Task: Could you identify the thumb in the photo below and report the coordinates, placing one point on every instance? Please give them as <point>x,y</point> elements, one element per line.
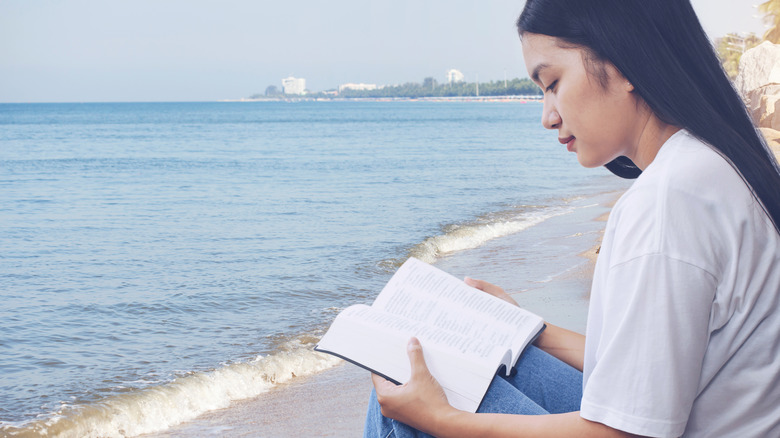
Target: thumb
<point>416,358</point>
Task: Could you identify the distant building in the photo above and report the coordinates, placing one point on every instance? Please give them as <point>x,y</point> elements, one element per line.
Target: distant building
<point>454,76</point>
<point>356,87</point>
<point>293,85</point>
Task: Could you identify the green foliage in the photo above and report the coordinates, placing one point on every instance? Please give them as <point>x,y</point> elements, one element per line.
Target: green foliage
<point>771,11</point>
<point>730,49</point>
<point>430,88</point>
<point>732,46</point>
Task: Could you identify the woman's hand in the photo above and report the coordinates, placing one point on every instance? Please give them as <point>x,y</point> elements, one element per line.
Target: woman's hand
<point>490,288</point>
<point>421,401</point>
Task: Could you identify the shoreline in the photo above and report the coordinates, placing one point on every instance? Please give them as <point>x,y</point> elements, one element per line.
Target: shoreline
<point>333,402</point>
<point>507,98</point>
<point>330,403</point>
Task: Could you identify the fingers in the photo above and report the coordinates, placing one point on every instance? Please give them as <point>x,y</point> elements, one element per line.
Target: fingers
<point>416,358</point>
<point>483,286</point>
<point>490,288</point>
<point>416,401</point>
<point>417,365</point>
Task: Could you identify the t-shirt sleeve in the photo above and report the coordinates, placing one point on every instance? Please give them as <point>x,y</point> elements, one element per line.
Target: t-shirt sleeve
<point>648,363</point>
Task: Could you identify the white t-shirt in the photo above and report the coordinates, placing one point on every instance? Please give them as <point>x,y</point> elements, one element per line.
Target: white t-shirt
<point>683,334</point>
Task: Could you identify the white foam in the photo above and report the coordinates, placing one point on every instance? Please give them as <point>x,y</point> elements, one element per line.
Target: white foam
<point>469,236</point>
<point>160,407</point>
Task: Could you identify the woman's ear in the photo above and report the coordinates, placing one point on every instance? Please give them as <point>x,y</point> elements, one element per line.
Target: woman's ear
<point>629,86</point>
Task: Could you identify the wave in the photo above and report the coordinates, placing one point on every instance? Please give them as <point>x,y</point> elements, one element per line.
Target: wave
<point>160,407</point>
<point>472,235</point>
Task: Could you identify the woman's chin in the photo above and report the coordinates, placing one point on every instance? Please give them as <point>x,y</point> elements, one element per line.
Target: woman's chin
<point>588,162</point>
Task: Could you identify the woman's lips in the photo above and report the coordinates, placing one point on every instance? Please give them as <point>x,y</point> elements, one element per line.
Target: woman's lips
<point>568,141</point>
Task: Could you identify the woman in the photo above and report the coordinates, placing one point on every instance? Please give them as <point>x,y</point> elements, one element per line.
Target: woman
<point>683,334</point>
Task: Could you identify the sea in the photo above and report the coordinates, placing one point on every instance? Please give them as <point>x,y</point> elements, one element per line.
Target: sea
<point>161,260</point>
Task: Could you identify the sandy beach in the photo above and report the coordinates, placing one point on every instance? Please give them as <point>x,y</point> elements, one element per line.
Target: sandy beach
<point>333,402</point>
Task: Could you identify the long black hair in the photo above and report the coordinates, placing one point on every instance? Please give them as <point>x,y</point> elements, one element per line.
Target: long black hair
<point>660,47</point>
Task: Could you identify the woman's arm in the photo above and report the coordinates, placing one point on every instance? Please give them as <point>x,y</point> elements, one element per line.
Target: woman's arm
<point>421,403</point>
<point>566,345</point>
<point>563,344</point>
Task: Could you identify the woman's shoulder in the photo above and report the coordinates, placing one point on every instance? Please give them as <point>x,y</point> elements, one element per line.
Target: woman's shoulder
<point>690,171</point>
<point>686,162</point>
<point>688,202</point>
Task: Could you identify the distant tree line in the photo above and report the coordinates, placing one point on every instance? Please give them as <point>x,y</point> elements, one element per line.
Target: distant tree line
<point>431,88</point>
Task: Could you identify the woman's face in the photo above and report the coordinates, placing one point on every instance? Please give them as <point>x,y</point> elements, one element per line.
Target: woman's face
<point>599,122</point>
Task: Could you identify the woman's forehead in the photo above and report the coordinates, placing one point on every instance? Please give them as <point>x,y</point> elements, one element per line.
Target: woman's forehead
<point>542,52</point>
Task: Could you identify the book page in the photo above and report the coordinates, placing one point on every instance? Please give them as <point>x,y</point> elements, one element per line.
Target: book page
<point>377,341</point>
<point>468,348</point>
<point>421,292</point>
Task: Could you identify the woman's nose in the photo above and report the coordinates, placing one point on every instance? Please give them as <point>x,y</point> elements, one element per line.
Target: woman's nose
<point>550,117</point>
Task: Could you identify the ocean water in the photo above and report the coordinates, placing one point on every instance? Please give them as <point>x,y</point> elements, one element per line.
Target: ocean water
<point>160,260</point>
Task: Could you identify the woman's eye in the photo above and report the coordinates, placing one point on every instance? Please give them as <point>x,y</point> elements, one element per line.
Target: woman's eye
<point>552,86</point>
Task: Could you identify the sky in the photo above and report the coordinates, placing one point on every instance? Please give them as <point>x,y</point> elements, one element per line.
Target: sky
<point>205,50</point>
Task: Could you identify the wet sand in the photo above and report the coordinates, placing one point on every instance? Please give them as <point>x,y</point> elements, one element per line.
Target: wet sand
<point>331,403</point>
<point>561,251</point>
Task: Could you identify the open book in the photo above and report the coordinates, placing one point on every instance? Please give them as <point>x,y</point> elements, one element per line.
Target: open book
<point>467,335</point>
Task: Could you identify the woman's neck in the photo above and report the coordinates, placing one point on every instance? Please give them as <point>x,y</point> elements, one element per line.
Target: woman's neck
<point>654,134</point>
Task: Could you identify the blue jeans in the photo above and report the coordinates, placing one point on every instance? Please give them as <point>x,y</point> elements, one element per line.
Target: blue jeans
<point>541,385</point>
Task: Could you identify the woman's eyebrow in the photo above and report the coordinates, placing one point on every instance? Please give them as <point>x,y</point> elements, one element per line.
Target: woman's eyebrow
<point>537,70</point>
